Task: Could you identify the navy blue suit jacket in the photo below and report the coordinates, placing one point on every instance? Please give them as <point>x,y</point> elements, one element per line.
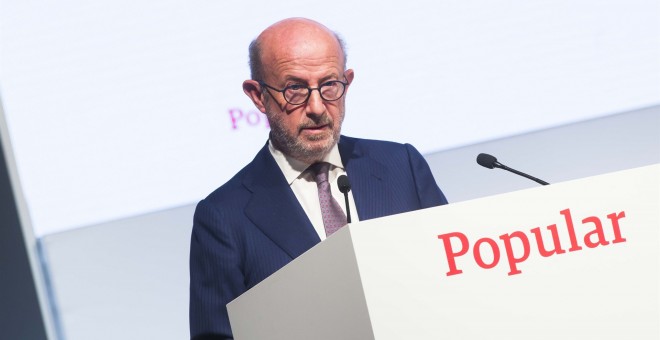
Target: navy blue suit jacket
<point>253,225</point>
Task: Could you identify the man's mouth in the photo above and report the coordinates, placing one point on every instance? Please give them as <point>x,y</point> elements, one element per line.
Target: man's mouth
<point>316,127</point>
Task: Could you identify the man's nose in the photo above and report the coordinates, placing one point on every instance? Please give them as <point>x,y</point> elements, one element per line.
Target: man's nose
<point>315,104</point>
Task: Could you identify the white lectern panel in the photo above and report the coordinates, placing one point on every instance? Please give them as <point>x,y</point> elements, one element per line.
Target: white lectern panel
<point>476,269</point>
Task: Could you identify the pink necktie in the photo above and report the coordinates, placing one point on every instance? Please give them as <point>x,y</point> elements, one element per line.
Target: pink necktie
<point>333,217</point>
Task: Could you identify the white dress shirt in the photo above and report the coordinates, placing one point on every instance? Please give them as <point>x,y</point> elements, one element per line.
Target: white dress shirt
<point>304,186</point>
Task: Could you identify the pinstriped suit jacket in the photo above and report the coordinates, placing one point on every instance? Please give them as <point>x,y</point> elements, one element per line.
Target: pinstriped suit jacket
<point>253,225</point>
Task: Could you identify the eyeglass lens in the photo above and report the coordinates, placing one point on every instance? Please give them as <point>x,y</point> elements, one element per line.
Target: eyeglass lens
<point>329,91</point>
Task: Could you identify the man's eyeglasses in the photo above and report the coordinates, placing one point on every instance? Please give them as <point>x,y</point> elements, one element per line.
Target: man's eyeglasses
<point>299,94</point>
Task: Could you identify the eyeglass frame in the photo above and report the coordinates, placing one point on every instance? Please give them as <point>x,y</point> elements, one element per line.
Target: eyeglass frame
<point>309,90</point>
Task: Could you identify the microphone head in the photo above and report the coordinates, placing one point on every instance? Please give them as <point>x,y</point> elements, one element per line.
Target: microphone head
<point>343,184</point>
<point>486,160</point>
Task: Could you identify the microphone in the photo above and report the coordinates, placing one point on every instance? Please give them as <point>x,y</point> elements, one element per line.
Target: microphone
<point>345,186</point>
<point>489,161</point>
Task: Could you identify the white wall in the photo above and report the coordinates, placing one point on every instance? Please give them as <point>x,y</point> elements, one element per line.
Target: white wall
<point>110,97</point>
<point>593,147</point>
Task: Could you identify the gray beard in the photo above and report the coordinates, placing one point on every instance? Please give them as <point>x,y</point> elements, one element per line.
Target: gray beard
<point>296,148</point>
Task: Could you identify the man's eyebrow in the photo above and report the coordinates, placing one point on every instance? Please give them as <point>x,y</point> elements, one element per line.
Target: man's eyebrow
<point>332,76</point>
<point>295,79</point>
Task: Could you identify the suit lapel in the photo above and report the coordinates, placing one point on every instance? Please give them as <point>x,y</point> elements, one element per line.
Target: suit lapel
<point>368,179</point>
<point>274,209</point>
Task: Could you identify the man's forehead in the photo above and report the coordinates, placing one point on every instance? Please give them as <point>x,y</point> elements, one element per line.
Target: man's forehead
<point>304,53</point>
<point>302,70</point>
<point>298,46</point>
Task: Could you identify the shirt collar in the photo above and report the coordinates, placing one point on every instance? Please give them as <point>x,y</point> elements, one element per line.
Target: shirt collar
<point>293,168</point>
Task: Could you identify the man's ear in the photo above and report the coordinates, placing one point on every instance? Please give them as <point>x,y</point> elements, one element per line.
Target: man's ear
<point>349,74</point>
<point>253,90</point>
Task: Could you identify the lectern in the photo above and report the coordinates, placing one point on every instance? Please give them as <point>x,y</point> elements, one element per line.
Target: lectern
<point>573,260</point>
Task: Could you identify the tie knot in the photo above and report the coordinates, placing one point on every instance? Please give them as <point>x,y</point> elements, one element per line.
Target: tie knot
<point>320,171</point>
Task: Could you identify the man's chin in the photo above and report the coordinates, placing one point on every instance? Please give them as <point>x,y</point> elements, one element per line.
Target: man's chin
<point>305,148</point>
<point>316,150</point>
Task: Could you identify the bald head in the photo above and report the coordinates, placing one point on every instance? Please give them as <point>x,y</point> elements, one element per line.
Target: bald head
<point>300,57</point>
<point>292,36</point>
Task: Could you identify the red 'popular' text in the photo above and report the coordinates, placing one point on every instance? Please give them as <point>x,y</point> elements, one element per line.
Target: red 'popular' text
<point>592,231</point>
<point>247,119</point>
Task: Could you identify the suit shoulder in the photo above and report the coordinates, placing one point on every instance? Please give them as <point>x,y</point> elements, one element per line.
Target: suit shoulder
<point>371,143</point>
<point>377,147</point>
<point>233,189</point>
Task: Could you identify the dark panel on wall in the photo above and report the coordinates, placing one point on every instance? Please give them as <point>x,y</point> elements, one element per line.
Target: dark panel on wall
<point>20,315</point>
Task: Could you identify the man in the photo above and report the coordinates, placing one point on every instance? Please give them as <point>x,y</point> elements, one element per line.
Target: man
<point>273,210</point>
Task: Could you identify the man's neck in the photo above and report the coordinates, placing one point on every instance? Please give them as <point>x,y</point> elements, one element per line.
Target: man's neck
<point>292,167</point>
